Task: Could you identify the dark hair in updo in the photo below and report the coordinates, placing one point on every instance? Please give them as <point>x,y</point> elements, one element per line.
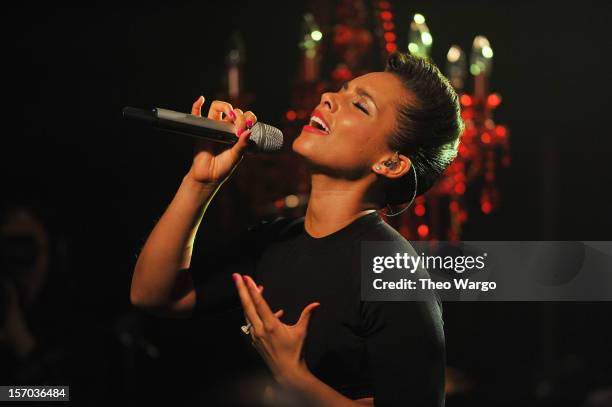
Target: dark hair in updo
<point>428,129</point>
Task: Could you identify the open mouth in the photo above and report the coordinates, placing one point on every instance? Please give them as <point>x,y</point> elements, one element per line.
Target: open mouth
<point>317,125</point>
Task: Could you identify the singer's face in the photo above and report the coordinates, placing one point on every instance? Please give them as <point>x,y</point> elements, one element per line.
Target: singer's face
<point>359,125</point>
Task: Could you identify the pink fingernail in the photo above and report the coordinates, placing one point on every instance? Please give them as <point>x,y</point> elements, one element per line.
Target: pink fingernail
<point>240,132</point>
<point>232,114</point>
<point>236,277</point>
<point>250,281</point>
<point>249,123</point>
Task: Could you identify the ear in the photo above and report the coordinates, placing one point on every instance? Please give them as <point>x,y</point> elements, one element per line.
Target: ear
<point>400,167</point>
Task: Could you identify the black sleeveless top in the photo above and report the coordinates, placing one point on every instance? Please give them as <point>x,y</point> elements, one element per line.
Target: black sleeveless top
<point>392,351</point>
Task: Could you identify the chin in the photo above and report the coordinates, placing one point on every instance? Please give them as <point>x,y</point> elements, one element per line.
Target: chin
<point>308,149</point>
<point>304,145</point>
<point>317,157</point>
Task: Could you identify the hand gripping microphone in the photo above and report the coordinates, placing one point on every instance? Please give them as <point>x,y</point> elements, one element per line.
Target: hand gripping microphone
<point>264,138</point>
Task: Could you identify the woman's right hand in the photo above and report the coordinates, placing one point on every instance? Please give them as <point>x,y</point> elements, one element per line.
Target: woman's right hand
<point>213,163</point>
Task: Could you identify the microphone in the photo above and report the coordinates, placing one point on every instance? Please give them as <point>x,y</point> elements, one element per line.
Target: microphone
<point>264,138</point>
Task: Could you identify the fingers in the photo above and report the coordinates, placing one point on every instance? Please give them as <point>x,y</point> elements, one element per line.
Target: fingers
<point>305,316</point>
<point>261,305</point>
<point>247,303</point>
<point>196,108</point>
<point>250,119</point>
<point>242,144</point>
<point>243,131</point>
<point>224,111</point>
<point>260,288</point>
<point>239,121</point>
<point>218,109</point>
<point>277,314</point>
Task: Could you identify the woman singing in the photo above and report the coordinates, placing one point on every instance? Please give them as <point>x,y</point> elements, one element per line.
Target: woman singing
<point>382,139</point>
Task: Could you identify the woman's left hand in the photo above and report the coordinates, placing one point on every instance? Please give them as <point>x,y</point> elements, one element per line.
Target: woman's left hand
<point>279,344</point>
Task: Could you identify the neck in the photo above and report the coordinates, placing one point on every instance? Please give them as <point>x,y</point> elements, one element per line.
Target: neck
<point>334,203</point>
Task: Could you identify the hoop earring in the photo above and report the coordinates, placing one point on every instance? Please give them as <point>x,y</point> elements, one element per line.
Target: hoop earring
<point>413,196</point>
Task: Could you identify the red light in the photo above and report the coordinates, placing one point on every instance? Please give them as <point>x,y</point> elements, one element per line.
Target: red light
<point>384,5</point>
<point>390,37</point>
<point>470,130</point>
<point>386,15</point>
<point>467,114</point>
<point>423,230</point>
<point>454,206</point>
<point>463,150</point>
<point>419,210</point>
<point>486,207</point>
<point>500,131</point>
<point>388,26</point>
<point>460,188</point>
<point>391,47</point>
<point>485,137</point>
<point>279,203</point>
<point>493,100</point>
<point>462,217</point>
<point>342,74</point>
<point>466,100</point>
<point>291,115</point>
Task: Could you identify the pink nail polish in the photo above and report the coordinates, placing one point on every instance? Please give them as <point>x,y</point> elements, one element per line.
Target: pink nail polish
<point>236,277</point>
<point>232,114</point>
<point>240,132</point>
<point>249,123</point>
<point>250,281</point>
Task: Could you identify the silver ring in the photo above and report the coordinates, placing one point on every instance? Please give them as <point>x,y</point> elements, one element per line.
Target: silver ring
<point>246,328</point>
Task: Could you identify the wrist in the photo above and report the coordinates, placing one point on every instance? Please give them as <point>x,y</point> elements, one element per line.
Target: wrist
<point>193,185</point>
<point>295,377</point>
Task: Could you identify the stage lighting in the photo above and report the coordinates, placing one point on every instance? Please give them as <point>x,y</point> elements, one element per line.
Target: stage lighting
<point>481,60</point>
<point>456,67</point>
<point>419,38</point>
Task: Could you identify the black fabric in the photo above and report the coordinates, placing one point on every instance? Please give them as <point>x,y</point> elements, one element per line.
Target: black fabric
<point>393,351</point>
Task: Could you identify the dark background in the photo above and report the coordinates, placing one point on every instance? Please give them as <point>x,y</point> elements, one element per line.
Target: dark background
<point>99,188</point>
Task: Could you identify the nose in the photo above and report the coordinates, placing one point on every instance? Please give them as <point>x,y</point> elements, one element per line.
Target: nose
<point>329,99</point>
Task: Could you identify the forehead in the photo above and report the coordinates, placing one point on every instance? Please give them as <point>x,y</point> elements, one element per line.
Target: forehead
<point>386,88</point>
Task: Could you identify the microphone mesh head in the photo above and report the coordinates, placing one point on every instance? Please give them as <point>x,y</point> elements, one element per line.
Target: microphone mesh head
<point>266,137</point>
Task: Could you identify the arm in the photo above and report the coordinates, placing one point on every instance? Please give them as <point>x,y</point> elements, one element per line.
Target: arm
<point>305,382</point>
<point>161,277</point>
<point>161,281</point>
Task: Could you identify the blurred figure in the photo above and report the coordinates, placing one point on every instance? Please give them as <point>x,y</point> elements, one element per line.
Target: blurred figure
<point>599,398</point>
<point>24,260</point>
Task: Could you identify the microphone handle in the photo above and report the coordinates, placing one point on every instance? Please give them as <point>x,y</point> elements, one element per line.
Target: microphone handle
<point>186,124</point>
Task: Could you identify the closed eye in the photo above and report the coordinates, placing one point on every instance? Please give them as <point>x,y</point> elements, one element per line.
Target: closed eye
<point>360,107</point>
